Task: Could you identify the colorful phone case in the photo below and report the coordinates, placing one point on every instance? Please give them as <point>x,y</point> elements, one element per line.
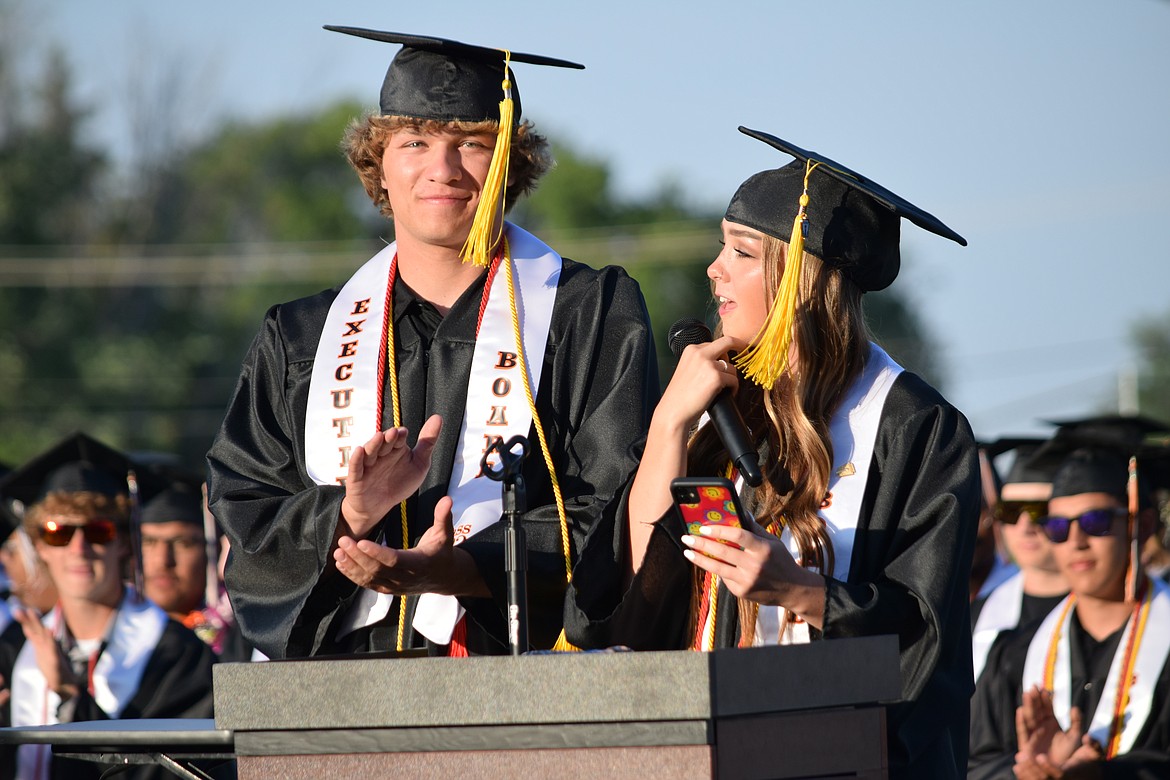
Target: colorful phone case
<point>716,505</point>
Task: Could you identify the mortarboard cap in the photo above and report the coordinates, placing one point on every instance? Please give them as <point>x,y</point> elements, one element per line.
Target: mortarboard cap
<point>178,502</point>
<point>853,222</point>
<point>1091,454</point>
<point>78,463</point>
<point>1121,432</point>
<point>816,204</point>
<point>445,80</point>
<point>439,79</point>
<point>1022,469</point>
<point>1091,470</point>
<point>1154,462</point>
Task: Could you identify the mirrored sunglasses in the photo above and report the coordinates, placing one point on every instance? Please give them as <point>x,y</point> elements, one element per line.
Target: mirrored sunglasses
<point>99,531</point>
<point>1095,522</point>
<point>1009,512</point>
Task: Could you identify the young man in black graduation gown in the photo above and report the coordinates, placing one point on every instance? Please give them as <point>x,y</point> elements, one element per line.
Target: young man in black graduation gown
<point>1054,700</point>
<point>290,481</point>
<point>102,652</point>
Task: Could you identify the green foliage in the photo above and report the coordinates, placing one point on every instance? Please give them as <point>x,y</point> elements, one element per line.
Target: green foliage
<point>1151,336</point>
<point>898,329</point>
<point>47,175</point>
<point>283,180</point>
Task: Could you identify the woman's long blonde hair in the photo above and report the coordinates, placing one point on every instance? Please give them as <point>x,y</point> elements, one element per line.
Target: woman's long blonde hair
<point>831,343</point>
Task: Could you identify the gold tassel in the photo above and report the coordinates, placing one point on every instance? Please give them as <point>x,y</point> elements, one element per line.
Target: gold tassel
<point>766,358</point>
<point>485,231</point>
<point>1133,575</point>
<point>562,644</point>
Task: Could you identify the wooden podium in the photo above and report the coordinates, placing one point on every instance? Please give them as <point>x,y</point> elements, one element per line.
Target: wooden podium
<point>776,712</point>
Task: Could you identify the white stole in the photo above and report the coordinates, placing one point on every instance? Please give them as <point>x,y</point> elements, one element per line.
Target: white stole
<point>1151,657</point>
<point>853,432</point>
<point>117,675</point>
<point>1000,612</point>
<point>497,407</point>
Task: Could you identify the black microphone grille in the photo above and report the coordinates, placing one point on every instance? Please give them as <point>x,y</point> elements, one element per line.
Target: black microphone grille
<point>685,332</point>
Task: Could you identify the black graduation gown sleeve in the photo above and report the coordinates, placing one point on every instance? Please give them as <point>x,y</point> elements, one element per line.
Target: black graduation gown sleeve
<point>280,524</point>
<point>654,611</point>
<point>597,390</point>
<point>993,714</point>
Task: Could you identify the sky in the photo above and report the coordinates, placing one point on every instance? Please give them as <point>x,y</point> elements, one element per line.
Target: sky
<point>1038,130</point>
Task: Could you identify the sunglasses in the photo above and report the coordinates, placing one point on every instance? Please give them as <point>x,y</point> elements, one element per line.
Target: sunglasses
<point>1009,511</point>
<point>57,534</point>
<point>1095,522</point>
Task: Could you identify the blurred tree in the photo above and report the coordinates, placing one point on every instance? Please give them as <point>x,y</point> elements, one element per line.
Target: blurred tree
<point>896,326</point>
<point>47,175</point>
<point>1151,337</point>
<point>280,180</point>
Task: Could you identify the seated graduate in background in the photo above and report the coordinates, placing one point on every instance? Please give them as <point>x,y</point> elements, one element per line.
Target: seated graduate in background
<point>180,564</point>
<point>1155,458</point>
<point>865,521</point>
<point>1037,585</point>
<point>347,470</point>
<point>990,565</point>
<point>103,652</point>
<point>1085,693</point>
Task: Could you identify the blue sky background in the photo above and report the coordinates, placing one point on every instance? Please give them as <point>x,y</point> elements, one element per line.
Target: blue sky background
<point>1038,130</point>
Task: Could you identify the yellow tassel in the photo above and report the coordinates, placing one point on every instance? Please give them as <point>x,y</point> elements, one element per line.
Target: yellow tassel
<point>766,358</point>
<point>485,229</point>
<point>562,644</point>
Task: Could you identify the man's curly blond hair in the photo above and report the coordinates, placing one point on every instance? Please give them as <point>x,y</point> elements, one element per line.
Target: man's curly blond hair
<point>365,141</point>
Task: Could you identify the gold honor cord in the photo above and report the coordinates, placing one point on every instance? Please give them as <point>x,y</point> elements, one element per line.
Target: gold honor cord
<point>562,642</point>
<point>392,367</point>
<point>486,229</point>
<point>1137,629</point>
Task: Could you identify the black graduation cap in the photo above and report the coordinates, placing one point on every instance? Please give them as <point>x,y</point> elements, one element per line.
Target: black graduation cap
<point>1022,469</point>
<point>445,80</point>
<point>853,222</point>
<point>179,501</point>
<point>1121,432</point>
<point>78,463</point>
<point>1091,455</point>
<point>1154,461</point>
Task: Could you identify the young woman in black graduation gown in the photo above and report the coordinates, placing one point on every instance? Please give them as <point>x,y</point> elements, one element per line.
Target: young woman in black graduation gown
<point>870,477</point>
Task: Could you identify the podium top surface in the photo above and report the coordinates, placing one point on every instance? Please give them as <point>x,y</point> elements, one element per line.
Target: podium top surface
<point>130,733</point>
<point>555,688</point>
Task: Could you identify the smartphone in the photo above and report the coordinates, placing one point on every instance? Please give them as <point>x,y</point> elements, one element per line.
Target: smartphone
<point>706,501</point>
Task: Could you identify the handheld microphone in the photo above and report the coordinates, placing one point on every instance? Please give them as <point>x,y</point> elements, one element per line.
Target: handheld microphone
<point>723,412</point>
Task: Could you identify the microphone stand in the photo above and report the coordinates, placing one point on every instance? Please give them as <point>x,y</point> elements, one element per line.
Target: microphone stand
<point>515,502</point>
